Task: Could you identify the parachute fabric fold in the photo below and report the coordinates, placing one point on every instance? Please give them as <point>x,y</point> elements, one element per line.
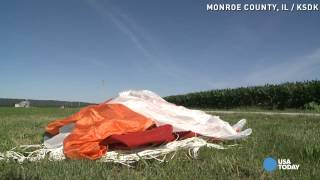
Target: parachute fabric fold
<point>95,123</point>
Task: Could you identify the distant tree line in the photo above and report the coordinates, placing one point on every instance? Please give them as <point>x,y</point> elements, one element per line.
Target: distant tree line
<point>42,103</point>
<point>286,95</point>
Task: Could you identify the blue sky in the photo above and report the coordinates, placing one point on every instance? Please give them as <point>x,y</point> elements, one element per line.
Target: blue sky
<point>90,50</point>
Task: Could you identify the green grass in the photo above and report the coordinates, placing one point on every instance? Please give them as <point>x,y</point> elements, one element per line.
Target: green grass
<point>279,136</point>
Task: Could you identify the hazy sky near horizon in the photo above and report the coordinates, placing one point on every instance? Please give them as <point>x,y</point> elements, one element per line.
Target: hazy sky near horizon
<point>89,50</point>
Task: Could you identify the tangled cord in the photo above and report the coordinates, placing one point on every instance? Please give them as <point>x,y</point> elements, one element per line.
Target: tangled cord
<point>122,157</point>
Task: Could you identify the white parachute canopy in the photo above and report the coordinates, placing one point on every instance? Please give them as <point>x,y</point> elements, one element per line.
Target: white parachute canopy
<point>162,112</point>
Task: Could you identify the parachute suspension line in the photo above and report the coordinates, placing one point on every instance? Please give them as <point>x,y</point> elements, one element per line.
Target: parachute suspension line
<point>122,157</point>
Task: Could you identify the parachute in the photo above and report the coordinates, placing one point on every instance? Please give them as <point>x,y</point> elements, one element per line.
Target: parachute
<point>134,119</point>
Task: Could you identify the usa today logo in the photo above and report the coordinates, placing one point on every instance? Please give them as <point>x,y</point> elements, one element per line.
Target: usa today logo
<point>270,164</point>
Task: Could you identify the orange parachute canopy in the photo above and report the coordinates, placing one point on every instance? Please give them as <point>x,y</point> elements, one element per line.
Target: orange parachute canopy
<point>95,123</point>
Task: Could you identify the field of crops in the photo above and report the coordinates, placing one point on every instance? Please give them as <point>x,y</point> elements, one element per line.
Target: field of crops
<point>299,95</point>
<point>279,136</point>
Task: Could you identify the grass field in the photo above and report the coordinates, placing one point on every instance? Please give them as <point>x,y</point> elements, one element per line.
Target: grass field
<point>279,136</point>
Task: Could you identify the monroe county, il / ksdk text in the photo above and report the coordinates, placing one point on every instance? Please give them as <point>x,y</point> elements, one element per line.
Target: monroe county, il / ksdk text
<point>262,7</point>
